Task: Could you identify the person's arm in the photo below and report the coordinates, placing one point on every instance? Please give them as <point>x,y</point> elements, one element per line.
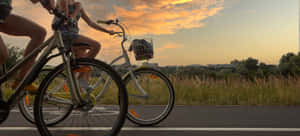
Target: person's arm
<point>76,11</point>
<point>92,24</point>
<point>47,4</point>
<point>62,5</point>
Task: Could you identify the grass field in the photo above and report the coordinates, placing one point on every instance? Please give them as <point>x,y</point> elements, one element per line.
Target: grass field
<point>273,91</point>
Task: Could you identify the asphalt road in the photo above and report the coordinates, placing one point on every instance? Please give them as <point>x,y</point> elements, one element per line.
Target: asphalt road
<point>197,121</point>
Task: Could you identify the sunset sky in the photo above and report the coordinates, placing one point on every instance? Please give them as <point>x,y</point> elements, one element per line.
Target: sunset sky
<point>189,31</point>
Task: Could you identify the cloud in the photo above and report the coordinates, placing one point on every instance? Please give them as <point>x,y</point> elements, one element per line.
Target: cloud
<point>165,16</point>
<point>140,16</point>
<point>110,46</point>
<point>170,46</point>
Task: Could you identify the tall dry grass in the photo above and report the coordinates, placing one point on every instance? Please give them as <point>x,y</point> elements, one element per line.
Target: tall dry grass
<point>233,91</point>
<point>237,91</point>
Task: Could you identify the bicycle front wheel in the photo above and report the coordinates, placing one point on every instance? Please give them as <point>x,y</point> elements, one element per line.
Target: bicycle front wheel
<point>153,108</point>
<point>103,117</point>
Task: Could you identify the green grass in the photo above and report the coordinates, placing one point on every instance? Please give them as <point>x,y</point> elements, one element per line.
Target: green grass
<point>235,91</point>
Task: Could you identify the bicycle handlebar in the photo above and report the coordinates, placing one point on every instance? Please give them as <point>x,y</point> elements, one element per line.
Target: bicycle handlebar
<point>116,23</point>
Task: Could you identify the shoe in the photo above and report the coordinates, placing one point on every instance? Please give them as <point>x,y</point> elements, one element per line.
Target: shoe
<point>32,88</point>
<point>91,98</point>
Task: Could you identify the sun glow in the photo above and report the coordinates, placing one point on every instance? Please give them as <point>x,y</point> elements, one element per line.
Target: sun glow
<point>181,1</point>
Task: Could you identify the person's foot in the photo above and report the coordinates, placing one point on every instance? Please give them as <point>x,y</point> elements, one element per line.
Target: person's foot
<point>84,84</point>
<point>32,88</point>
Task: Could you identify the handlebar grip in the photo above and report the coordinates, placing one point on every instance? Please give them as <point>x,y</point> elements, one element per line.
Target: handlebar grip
<point>108,22</point>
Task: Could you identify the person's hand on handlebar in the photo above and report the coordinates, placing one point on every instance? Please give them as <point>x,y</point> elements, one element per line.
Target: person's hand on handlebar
<point>47,4</point>
<point>108,22</point>
<point>112,32</point>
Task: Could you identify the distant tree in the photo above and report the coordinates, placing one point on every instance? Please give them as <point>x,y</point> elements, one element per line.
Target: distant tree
<point>265,70</point>
<point>235,62</point>
<point>247,68</point>
<point>290,64</point>
<point>251,64</point>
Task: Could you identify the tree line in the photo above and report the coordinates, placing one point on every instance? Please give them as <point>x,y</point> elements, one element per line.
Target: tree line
<point>250,68</point>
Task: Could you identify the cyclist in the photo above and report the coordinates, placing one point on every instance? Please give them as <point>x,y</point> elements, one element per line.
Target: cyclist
<point>15,25</point>
<point>74,10</point>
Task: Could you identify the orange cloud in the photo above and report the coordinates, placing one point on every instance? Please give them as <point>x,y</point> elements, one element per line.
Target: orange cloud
<point>141,17</point>
<point>167,16</point>
<point>181,1</point>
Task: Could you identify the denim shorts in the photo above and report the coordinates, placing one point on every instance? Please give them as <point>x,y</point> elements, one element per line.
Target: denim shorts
<point>69,36</point>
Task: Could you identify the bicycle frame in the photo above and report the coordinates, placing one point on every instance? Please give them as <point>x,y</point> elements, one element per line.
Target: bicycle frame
<point>126,64</point>
<point>53,42</point>
<point>108,80</point>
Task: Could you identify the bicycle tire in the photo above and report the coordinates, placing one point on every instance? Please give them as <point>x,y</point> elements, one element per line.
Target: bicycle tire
<point>118,123</point>
<point>151,122</point>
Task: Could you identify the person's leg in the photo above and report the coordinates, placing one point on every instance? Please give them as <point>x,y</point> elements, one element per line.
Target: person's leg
<point>19,26</point>
<point>3,58</point>
<point>90,51</point>
<point>81,51</point>
<point>3,52</point>
<point>93,48</point>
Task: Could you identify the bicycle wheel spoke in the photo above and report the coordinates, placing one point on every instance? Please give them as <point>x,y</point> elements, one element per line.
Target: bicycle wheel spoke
<point>56,100</point>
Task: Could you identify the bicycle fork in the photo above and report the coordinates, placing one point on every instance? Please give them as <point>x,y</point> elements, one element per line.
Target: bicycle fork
<point>144,93</point>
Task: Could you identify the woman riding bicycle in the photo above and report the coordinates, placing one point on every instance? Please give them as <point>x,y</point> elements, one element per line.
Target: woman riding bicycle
<point>74,10</point>
<point>15,25</point>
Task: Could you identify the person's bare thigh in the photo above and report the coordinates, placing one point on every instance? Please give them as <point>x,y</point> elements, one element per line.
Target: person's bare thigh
<point>20,26</point>
<point>3,52</point>
<point>87,40</point>
<point>93,47</point>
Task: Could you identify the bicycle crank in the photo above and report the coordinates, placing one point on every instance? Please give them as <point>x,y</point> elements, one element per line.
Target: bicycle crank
<point>90,102</point>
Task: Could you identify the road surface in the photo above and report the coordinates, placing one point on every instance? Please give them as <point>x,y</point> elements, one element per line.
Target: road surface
<point>197,121</point>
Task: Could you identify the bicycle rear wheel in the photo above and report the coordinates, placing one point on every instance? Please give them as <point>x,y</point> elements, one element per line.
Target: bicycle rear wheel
<point>27,102</point>
<point>151,110</point>
<point>104,117</point>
